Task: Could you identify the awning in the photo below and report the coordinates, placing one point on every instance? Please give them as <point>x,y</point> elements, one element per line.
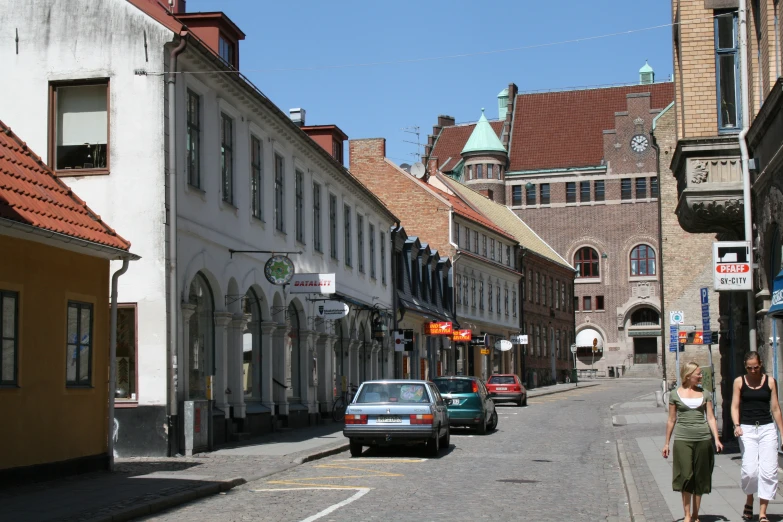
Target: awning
<point>584,339</point>
<point>776,307</point>
<point>419,308</point>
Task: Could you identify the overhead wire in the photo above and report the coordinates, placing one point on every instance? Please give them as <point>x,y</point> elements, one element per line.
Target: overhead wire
<point>445,57</point>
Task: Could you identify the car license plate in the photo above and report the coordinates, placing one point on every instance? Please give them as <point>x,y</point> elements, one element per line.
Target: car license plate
<point>455,401</point>
<point>501,388</point>
<point>389,418</point>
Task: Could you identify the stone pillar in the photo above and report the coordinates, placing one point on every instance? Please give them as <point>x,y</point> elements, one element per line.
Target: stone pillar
<point>183,354</point>
<point>354,361</point>
<point>375,367</point>
<point>306,353</point>
<point>255,331</point>
<point>267,364</point>
<point>280,363</point>
<point>324,344</point>
<point>235,364</point>
<point>222,321</point>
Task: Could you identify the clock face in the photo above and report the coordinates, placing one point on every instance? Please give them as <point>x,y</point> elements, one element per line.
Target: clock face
<point>639,143</point>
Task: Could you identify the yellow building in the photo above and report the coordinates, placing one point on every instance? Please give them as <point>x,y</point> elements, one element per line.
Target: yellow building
<point>55,333</point>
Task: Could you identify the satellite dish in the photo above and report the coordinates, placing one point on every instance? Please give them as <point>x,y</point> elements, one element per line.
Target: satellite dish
<point>418,170</point>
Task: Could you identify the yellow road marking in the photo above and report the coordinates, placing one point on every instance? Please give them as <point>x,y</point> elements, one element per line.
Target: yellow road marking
<point>367,472</point>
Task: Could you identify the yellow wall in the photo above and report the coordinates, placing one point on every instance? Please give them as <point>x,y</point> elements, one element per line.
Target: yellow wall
<point>41,420</point>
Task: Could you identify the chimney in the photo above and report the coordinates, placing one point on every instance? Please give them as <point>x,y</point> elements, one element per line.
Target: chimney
<point>297,116</point>
<point>446,121</point>
<point>177,6</point>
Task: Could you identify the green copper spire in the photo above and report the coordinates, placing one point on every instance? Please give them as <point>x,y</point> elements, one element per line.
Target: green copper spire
<point>646,74</point>
<point>483,138</point>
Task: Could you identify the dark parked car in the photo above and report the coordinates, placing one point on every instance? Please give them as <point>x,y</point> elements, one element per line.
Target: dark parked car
<point>470,403</point>
<point>507,388</point>
<point>395,412</point>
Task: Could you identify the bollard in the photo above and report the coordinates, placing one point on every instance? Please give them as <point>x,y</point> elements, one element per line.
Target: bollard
<point>658,398</point>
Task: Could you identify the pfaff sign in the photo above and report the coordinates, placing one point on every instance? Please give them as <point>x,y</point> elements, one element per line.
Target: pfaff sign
<point>731,261</point>
<point>462,335</point>
<point>438,329</point>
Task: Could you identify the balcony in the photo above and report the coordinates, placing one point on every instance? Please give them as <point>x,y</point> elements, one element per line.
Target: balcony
<point>709,184</point>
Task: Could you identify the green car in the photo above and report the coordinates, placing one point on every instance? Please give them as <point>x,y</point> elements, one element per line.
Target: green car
<point>469,402</point>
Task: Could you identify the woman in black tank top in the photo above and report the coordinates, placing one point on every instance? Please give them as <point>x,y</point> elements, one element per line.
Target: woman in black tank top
<point>754,412</point>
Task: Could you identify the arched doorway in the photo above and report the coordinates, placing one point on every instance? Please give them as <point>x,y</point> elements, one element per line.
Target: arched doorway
<point>293,351</point>
<point>201,342</point>
<point>251,346</point>
<point>645,347</point>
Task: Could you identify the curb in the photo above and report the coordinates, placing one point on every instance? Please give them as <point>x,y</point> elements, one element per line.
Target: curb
<point>634,506</point>
<point>562,390</point>
<point>183,497</point>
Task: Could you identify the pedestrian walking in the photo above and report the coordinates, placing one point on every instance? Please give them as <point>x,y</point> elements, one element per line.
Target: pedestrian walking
<point>754,405</point>
<point>693,422</point>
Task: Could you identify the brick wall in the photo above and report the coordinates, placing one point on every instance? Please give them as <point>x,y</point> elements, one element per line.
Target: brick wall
<point>686,260</point>
<point>421,213</point>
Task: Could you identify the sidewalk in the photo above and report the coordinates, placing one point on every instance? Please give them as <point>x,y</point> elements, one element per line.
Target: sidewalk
<point>641,427</point>
<point>144,486</point>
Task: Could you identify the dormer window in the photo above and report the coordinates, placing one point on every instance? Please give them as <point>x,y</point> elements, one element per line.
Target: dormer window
<point>226,50</point>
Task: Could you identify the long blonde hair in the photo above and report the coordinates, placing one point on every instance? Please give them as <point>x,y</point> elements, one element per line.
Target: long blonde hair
<point>687,369</point>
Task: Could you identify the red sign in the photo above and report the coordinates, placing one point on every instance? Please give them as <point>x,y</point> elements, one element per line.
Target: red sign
<point>462,335</point>
<point>732,268</point>
<point>437,329</point>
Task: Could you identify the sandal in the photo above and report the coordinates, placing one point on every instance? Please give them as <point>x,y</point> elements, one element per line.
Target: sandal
<point>763,519</point>
<point>747,513</point>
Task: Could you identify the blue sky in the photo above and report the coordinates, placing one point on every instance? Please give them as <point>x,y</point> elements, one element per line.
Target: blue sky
<point>381,100</point>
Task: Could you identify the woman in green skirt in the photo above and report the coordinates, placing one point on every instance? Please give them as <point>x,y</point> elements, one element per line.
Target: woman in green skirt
<point>691,412</point>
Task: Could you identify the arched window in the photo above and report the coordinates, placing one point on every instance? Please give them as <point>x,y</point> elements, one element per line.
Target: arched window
<point>201,339</point>
<point>642,261</point>
<point>586,261</point>
<point>645,317</point>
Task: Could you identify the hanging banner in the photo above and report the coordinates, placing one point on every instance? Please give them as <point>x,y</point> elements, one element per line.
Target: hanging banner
<point>323,284</point>
<point>461,335</point>
<point>437,329</point>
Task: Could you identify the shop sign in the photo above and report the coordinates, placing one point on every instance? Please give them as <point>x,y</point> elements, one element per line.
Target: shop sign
<point>312,284</point>
<point>484,351</point>
<point>503,345</point>
<point>461,335</point>
<point>731,260</point>
<point>519,339</point>
<point>437,329</point>
<point>279,270</point>
<point>332,309</point>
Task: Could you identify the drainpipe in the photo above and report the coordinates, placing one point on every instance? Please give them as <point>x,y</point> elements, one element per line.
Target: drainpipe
<point>172,236</point>
<point>113,356</point>
<point>664,345</point>
<point>746,196</point>
<point>454,289</point>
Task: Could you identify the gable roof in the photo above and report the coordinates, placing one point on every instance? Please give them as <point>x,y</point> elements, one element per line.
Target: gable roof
<point>483,138</point>
<point>565,129</point>
<point>461,208</point>
<point>508,220</point>
<point>32,195</point>
<point>451,141</point>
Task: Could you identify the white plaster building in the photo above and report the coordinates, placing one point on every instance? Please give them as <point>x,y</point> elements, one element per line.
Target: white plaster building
<point>91,74</point>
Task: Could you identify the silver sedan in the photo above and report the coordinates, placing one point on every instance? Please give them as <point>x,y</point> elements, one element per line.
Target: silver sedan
<point>397,412</point>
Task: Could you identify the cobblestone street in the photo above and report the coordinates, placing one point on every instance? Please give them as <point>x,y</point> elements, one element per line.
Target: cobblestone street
<point>553,460</point>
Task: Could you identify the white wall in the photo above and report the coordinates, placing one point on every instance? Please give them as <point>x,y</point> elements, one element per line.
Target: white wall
<point>82,39</point>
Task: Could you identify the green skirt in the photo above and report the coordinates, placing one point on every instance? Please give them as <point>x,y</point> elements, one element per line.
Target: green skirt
<point>692,466</point>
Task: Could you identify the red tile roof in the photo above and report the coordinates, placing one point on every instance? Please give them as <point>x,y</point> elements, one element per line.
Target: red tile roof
<point>452,140</point>
<point>158,10</point>
<point>565,129</point>
<point>466,211</point>
<point>31,194</point>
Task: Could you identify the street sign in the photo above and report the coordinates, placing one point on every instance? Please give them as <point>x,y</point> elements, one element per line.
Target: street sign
<point>676,317</point>
<point>705,296</point>
<point>479,340</point>
<point>705,316</point>
<point>731,261</point>
<point>519,339</point>
<point>673,342</point>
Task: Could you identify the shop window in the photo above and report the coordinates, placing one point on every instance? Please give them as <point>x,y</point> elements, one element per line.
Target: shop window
<point>80,134</point>
<point>127,359</point>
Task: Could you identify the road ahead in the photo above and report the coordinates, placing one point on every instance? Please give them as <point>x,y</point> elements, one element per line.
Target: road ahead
<point>553,460</point>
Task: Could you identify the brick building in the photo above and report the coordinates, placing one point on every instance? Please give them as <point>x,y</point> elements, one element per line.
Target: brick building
<point>579,169</point>
<point>435,220</point>
<point>712,108</point>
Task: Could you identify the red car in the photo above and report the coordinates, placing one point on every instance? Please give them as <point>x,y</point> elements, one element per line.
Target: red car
<point>507,387</point>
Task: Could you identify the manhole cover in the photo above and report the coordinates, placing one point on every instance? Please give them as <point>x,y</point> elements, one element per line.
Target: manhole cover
<point>518,481</point>
<point>541,460</point>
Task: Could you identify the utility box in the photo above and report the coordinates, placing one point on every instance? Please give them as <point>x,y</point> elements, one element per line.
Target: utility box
<point>196,429</point>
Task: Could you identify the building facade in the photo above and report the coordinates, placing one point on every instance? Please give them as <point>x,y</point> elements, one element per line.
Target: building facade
<point>579,170</point>
<point>55,265</point>
<point>209,178</point>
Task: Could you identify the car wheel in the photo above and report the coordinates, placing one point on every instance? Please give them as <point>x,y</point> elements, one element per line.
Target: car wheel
<point>444,443</point>
<point>493,422</point>
<point>356,449</point>
<point>482,427</point>
<point>524,401</point>
<point>433,446</point>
